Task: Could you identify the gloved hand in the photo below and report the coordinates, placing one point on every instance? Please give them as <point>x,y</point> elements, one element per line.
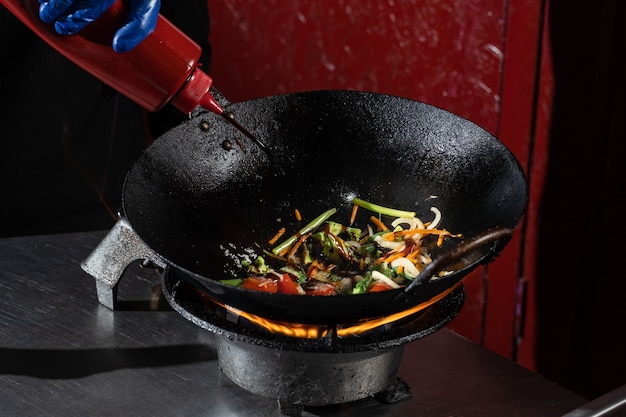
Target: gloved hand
<point>70,16</point>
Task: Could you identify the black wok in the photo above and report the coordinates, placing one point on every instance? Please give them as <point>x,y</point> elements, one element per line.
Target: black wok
<point>200,193</point>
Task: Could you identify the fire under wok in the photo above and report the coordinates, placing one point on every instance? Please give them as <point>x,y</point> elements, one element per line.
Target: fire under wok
<point>203,192</point>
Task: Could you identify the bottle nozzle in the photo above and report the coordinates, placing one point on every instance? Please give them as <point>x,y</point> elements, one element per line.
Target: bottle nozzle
<point>196,92</point>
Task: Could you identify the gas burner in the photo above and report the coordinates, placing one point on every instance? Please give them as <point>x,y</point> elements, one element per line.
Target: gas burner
<point>299,371</point>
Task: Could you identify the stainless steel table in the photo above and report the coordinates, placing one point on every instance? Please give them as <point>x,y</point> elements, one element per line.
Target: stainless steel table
<point>63,354</point>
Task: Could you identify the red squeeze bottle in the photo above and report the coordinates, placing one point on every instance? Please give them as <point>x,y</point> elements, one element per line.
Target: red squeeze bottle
<point>161,69</point>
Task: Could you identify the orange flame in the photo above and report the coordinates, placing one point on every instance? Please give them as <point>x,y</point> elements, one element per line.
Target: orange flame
<point>312,331</point>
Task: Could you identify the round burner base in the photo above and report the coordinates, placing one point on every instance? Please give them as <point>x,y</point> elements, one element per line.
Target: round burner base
<point>308,378</point>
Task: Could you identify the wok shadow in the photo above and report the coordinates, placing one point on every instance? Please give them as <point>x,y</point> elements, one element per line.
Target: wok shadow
<point>79,363</point>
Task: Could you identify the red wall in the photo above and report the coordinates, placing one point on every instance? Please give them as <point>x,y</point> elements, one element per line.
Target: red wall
<point>433,51</point>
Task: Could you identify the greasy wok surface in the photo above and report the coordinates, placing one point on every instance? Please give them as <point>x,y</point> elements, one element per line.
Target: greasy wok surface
<point>198,194</point>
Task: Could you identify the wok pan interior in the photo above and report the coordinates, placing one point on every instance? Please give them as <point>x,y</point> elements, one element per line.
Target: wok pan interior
<point>198,196</point>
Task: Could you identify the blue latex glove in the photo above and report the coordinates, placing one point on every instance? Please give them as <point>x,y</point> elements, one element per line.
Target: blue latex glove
<point>70,16</point>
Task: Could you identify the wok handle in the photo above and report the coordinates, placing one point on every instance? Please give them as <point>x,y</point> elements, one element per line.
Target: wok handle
<point>475,243</point>
<point>108,261</point>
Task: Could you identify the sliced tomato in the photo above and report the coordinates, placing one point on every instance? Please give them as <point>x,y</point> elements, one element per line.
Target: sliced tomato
<point>261,284</point>
<point>379,286</point>
<point>286,285</point>
<point>320,288</point>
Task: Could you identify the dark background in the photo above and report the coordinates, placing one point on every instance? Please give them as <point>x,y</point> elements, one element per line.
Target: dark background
<point>581,283</point>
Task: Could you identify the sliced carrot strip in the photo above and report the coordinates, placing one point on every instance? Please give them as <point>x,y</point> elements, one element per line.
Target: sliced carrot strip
<point>390,258</point>
<point>411,256</point>
<point>298,216</point>
<point>284,251</point>
<point>298,244</point>
<point>355,208</point>
<point>378,223</point>
<point>277,236</point>
<point>423,232</point>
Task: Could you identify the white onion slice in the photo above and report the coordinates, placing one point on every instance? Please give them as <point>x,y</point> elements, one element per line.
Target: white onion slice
<point>389,244</point>
<point>413,223</point>
<point>437,219</point>
<point>410,270</point>
<point>378,276</point>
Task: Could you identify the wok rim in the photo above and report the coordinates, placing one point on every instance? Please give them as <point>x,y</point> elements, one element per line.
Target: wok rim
<point>445,311</point>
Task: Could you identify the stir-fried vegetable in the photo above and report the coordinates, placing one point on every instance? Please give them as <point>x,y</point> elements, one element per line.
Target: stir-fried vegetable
<point>311,226</point>
<point>382,210</point>
<point>327,258</point>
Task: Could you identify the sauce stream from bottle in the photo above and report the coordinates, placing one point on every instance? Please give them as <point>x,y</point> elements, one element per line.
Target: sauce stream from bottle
<point>230,118</point>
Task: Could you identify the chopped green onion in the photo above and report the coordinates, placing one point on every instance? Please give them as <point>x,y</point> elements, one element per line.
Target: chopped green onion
<point>362,286</point>
<point>383,210</point>
<point>234,282</point>
<point>306,229</point>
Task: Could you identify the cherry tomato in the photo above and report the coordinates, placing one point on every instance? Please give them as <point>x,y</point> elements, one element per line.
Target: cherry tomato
<point>379,286</point>
<point>320,288</point>
<point>288,286</point>
<point>261,284</point>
